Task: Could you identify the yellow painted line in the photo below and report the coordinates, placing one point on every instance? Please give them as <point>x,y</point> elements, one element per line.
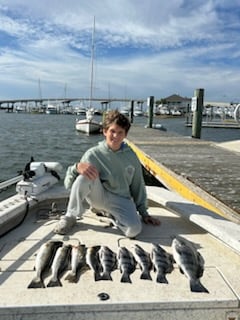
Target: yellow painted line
<point>171,182</point>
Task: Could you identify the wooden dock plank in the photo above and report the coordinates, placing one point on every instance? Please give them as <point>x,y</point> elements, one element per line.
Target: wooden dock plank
<point>206,170</point>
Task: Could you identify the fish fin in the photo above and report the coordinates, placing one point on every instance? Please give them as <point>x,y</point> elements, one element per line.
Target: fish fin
<point>54,283</point>
<point>196,286</point>
<point>171,259</point>
<point>71,277</point>
<point>106,276</point>
<point>161,278</point>
<point>145,275</point>
<point>180,269</point>
<point>97,276</point>
<point>126,278</point>
<point>200,266</point>
<point>169,268</point>
<point>36,283</point>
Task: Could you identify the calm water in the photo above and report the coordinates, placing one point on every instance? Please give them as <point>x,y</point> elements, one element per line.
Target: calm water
<point>53,138</point>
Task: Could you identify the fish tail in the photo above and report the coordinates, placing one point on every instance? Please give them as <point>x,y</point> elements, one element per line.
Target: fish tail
<point>196,286</point>
<point>126,278</point>
<point>54,283</point>
<point>161,278</point>
<point>146,275</point>
<point>37,282</point>
<point>71,277</point>
<point>97,276</point>
<point>106,276</point>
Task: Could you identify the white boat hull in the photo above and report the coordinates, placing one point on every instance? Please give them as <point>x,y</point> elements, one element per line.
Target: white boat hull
<point>138,113</point>
<point>51,109</point>
<point>88,126</point>
<point>174,300</point>
<point>51,112</point>
<point>124,111</point>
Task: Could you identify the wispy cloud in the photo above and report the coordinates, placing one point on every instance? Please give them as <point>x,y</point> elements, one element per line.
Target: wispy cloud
<point>142,48</point>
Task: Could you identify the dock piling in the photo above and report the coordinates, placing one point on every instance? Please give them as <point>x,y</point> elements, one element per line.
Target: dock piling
<point>197,108</point>
<point>131,111</point>
<point>150,104</point>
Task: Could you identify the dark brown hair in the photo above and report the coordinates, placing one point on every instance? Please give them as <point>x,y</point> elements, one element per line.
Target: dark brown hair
<point>114,116</point>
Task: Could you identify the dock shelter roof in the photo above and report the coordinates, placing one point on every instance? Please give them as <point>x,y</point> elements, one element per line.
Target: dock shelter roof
<point>175,98</point>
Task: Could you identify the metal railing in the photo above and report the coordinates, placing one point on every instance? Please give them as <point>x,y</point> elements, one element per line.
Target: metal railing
<point>7,183</point>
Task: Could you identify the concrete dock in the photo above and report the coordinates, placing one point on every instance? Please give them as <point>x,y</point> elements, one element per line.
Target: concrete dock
<point>200,171</point>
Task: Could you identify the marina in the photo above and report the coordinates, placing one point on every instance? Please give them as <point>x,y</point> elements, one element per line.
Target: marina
<point>83,234</point>
<point>218,124</point>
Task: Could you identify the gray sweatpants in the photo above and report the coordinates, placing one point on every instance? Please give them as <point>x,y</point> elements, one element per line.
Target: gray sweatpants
<point>122,209</point>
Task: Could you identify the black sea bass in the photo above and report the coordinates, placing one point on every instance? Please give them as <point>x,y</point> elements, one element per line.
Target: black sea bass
<point>190,263</point>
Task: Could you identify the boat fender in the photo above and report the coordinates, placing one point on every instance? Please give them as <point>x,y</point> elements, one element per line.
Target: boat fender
<point>39,168</point>
<point>56,166</point>
<point>158,126</point>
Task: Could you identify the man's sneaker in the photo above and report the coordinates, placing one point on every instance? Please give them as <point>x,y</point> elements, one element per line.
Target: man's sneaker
<point>64,225</point>
<point>100,213</point>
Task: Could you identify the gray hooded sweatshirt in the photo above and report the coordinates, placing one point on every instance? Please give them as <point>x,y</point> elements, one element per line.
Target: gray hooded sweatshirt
<point>119,171</point>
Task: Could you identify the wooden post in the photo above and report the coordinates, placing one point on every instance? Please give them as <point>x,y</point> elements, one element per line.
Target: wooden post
<point>131,111</point>
<point>150,104</point>
<point>197,108</point>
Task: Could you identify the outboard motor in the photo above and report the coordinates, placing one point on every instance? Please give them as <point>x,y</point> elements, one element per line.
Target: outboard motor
<point>39,177</point>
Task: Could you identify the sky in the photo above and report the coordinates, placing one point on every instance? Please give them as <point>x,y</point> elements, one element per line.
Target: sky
<point>141,48</point>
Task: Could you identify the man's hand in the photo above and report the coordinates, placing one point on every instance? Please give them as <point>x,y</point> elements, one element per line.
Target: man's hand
<point>151,220</point>
<point>88,170</point>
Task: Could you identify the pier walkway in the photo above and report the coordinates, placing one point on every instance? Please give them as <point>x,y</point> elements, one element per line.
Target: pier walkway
<point>200,171</point>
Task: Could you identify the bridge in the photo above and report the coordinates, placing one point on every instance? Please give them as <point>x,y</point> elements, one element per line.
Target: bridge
<point>11,103</point>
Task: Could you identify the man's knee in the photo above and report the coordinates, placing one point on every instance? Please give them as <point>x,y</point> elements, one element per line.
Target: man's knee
<point>134,230</point>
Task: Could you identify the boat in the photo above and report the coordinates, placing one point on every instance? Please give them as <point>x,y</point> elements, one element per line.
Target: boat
<point>125,111</point>
<point>158,126</point>
<point>236,113</point>
<point>80,111</point>
<point>28,218</point>
<point>51,109</point>
<point>219,117</point>
<point>175,112</point>
<point>89,125</point>
<point>98,112</point>
<point>36,110</point>
<point>20,109</point>
<point>137,112</point>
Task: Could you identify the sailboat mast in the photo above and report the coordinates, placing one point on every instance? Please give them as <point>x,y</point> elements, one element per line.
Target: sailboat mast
<point>92,62</point>
<point>39,89</point>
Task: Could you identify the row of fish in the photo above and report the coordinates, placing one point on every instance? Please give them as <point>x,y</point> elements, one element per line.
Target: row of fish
<point>60,257</point>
